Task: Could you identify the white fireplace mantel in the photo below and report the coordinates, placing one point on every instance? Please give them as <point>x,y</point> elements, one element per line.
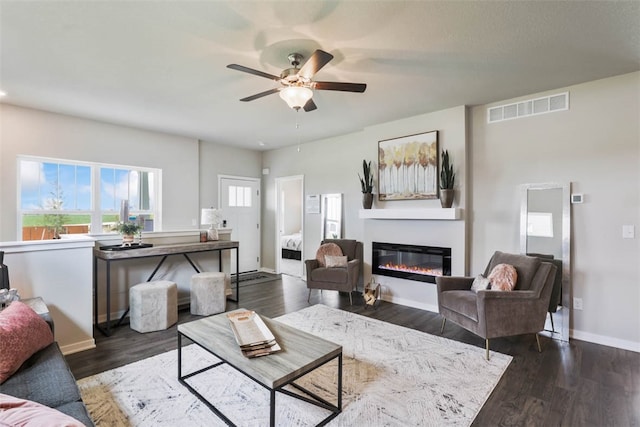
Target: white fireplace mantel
<point>425,214</point>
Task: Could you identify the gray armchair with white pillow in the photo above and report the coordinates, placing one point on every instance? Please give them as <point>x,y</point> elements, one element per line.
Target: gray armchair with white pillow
<point>496,313</point>
<point>331,271</point>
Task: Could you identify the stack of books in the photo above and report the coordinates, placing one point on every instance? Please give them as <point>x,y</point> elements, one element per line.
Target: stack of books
<point>252,335</point>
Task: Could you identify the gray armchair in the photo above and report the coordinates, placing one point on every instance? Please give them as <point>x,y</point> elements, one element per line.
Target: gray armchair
<point>337,278</point>
<point>492,314</point>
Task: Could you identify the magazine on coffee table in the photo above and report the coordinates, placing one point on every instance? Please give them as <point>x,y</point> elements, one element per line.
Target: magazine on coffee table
<point>252,335</point>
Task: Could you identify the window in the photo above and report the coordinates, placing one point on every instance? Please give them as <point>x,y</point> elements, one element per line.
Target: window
<point>67,197</point>
<point>239,196</point>
<point>540,224</point>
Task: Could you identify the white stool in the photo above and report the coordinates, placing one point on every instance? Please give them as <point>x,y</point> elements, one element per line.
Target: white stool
<point>208,293</point>
<point>154,306</point>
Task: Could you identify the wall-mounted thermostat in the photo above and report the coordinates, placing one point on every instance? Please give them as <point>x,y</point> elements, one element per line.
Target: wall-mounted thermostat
<point>576,198</point>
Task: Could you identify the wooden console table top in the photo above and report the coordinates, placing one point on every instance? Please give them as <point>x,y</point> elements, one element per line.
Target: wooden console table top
<point>179,248</point>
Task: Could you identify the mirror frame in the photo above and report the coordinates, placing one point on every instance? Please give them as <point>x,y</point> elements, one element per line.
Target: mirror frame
<point>566,243</point>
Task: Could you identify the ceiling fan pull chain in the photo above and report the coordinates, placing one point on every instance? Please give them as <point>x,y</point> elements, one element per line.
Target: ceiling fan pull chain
<point>298,128</point>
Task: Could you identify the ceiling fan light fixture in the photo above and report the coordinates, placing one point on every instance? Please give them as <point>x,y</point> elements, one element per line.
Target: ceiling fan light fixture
<point>296,96</point>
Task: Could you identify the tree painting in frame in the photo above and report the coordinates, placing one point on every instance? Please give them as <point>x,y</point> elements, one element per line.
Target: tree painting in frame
<point>408,167</point>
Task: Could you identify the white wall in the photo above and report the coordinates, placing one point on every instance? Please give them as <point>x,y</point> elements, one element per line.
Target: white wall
<point>59,272</point>
<point>216,159</point>
<point>332,166</point>
<point>291,190</point>
<point>596,146</point>
<point>26,131</point>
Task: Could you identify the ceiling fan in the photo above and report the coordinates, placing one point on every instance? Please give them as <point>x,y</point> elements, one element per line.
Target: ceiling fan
<point>296,83</point>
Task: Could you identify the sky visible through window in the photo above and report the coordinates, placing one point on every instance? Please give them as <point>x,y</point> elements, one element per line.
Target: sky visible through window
<point>45,184</point>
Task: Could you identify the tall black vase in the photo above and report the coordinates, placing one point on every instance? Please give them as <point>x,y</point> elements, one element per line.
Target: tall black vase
<point>4,273</point>
<point>367,200</point>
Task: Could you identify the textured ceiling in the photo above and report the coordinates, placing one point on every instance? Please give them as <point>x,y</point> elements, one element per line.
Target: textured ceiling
<point>162,65</point>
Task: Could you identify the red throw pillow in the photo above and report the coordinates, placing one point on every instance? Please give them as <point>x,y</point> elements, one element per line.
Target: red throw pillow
<point>503,277</point>
<point>22,333</point>
<point>330,249</point>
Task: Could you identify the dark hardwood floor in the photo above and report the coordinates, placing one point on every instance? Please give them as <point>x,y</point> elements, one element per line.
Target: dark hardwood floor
<point>569,384</point>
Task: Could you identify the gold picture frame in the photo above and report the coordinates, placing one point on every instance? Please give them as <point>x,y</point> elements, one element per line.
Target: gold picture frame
<point>408,167</point>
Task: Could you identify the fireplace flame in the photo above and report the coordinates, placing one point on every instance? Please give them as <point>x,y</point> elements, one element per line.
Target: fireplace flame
<point>414,269</point>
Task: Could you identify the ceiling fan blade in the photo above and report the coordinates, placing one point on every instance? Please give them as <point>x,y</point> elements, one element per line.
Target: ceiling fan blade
<point>252,71</point>
<point>344,87</point>
<point>260,95</point>
<point>316,61</point>
<point>309,106</point>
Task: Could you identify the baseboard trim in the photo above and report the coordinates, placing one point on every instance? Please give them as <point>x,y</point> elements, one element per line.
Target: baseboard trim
<point>410,303</point>
<point>77,347</point>
<point>604,340</point>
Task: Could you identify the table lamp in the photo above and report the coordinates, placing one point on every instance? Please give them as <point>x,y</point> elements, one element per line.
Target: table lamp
<point>211,217</point>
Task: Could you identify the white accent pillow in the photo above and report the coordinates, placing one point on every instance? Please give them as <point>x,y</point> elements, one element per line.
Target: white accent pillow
<point>480,283</point>
<point>335,261</point>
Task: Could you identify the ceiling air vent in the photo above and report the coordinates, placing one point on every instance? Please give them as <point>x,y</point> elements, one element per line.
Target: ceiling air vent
<point>530,107</point>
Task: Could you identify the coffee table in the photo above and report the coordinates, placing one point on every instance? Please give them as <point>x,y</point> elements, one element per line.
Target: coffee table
<point>301,353</point>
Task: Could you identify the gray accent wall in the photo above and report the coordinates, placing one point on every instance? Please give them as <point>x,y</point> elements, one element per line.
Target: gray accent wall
<point>595,145</point>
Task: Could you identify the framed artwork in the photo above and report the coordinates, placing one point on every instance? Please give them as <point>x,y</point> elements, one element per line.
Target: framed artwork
<point>408,167</point>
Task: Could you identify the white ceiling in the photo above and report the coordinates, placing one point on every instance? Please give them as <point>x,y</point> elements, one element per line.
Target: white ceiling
<point>161,65</point>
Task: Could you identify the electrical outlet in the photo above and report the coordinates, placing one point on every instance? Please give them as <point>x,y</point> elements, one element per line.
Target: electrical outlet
<point>577,303</point>
<point>194,221</point>
<point>628,232</point>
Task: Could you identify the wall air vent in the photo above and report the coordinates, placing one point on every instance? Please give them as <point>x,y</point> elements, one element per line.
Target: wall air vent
<point>530,107</point>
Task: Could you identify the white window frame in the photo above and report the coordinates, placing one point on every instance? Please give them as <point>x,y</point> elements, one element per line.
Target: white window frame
<point>95,211</point>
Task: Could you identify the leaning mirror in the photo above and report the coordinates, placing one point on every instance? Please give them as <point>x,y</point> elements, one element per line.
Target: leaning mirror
<point>332,216</point>
<point>545,227</point>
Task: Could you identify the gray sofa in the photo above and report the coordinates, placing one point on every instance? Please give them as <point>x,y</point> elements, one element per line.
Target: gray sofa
<point>45,378</point>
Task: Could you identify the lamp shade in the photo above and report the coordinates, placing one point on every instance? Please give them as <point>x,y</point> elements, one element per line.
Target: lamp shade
<point>296,96</point>
<point>210,216</point>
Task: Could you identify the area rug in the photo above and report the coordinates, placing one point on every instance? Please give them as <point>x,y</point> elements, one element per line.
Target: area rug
<point>392,376</point>
<point>256,277</point>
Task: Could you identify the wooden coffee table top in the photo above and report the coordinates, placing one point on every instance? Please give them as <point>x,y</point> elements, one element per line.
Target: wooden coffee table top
<point>301,352</point>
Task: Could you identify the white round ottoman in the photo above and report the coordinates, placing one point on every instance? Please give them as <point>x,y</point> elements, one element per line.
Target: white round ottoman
<point>154,306</point>
<point>208,293</point>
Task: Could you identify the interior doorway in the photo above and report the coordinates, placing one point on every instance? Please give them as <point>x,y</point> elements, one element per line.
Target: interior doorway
<point>239,199</point>
<point>290,225</point>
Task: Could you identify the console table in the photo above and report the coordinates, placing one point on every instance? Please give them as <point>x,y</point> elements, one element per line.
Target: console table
<point>164,251</point>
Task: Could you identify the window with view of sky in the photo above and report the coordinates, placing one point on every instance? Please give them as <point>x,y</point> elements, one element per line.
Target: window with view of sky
<point>60,197</point>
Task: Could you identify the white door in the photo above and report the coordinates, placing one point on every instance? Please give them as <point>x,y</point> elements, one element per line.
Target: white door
<point>240,204</point>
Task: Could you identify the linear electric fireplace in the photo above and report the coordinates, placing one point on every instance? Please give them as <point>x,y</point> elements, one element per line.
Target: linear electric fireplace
<point>421,263</point>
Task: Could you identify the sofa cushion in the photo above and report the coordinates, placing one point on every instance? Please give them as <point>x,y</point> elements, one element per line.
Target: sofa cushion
<point>503,277</point>
<point>20,412</point>
<point>44,378</point>
<point>335,261</point>
<point>22,333</point>
<point>480,283</point>
<point>78,411</point>
<point>330,275</point>
<point>526,267</point>
<point>348,246</point>
<point>330,249</point>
